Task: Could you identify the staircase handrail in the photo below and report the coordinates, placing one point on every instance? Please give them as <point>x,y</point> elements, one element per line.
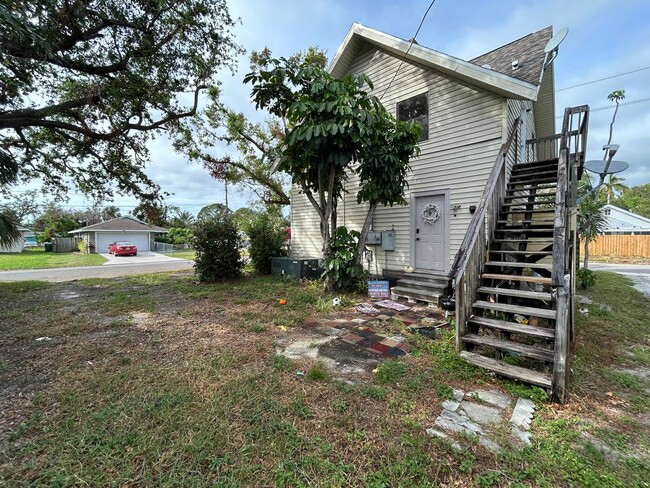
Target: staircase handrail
<point>463,255</point>
<point>571,158</point>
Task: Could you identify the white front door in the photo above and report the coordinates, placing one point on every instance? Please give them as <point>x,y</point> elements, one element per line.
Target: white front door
<point>429,232</point>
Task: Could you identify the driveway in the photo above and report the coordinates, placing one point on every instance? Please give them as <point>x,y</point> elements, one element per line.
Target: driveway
<point>638,273</point>
<point>80,273</point>
<point>143,257</point>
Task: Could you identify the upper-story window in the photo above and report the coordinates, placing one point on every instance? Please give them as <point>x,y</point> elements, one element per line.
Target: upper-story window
<point>607,211</point>
<point>415,109</point>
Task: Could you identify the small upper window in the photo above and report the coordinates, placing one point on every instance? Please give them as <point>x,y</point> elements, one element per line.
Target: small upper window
<point>415,109</point>
<point>607,211</point>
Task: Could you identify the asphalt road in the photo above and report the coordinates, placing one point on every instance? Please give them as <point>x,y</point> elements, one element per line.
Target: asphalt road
<point>638,273</point>
<point>80,273</point>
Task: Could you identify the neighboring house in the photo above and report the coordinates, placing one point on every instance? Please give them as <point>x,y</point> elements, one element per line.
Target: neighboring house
<point>467,109</point>
<point>99,236</point>
<point>624,222</point>
<point>17,246</point>
<point>30,238</point>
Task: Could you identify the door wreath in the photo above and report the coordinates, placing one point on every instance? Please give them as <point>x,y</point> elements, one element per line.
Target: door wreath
<point>430,213</point>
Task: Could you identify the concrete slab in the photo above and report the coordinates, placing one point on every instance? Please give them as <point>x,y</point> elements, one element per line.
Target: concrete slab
<point>481,414</point>
<point>493,397</point>
<point>143,257</point>
<point>523,413</point>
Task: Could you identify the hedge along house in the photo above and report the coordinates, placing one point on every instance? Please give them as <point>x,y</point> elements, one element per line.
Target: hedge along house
<point>100,235</point>
<point>467,110</point>
<point>483,218</point>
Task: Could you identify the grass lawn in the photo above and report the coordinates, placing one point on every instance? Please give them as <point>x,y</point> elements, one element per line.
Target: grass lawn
<point>39,259</point>
<point>181,254</point>
<point>155,380</point>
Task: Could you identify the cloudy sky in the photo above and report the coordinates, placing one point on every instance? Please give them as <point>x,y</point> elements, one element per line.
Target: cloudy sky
<point>607,49</point>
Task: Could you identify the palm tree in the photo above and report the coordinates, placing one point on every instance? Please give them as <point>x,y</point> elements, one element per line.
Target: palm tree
<point>9,232</point>
<point>613,185</point>
<point>183,219</point>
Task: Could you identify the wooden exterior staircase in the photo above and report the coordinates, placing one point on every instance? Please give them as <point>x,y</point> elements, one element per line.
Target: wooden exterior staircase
<point>514,274</point>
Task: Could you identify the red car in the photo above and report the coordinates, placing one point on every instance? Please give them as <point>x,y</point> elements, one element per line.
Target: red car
<point>122,248</point>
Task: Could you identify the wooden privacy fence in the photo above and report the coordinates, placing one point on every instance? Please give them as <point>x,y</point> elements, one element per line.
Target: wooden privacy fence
<point>619,245</point>
<point>64,244</point>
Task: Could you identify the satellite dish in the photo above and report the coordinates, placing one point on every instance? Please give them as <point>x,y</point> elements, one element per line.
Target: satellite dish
<point>598,166</point>
<point>553,45</point>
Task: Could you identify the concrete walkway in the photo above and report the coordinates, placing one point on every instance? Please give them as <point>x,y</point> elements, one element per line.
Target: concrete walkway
<point>143,257</point>
<point>80,273</point>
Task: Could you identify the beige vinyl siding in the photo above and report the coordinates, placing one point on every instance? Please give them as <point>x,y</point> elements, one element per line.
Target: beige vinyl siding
<point>465,133</point>
<point>305,227</point>
<point>545,106</point>
<point>515,109</point>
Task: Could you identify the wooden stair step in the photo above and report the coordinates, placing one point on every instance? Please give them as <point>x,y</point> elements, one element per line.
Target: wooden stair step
<point>532,182</point>
<point>535,295</point>
<point>537,163</point>
<point>523,253</point>
<point>533,202</point>
<point>506,307</point>
<point>532,239</point>
<point>540,173</point>
<point>524,375</point>
<point>523,230</point>
<point>535,187</point>
<point>532,210</point>
<point>516,347</point>
<point>513,327</point>
<point>505,277</point>
<point>421,295</point>
<point>525,221</point>
<point>519,264</point>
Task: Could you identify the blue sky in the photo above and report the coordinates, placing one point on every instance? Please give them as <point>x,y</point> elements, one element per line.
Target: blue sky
<point>606,38</point>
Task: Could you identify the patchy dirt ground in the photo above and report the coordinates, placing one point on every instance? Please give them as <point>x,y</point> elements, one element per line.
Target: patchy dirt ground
<point>154,380</point>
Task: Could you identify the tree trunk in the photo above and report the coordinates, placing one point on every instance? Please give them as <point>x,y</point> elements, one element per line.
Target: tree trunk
<point>361,245</point>
<point>586,261</point>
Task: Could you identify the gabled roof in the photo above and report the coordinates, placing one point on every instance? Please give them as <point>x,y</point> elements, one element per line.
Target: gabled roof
<point>489,79</point>
<point>528,51</point>
<point>127,224</point>
<point>635,220</point>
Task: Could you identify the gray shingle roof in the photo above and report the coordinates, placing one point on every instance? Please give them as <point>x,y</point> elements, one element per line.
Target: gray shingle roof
<point>529,51</point>
<point>121,223</point>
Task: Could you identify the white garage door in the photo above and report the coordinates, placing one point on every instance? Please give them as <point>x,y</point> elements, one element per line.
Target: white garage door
<point>103,239</point>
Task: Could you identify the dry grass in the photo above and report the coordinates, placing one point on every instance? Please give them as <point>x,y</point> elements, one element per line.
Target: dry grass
<point>157,381</point>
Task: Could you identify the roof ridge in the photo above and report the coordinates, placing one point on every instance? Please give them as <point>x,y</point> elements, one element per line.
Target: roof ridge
<point>511,42</point>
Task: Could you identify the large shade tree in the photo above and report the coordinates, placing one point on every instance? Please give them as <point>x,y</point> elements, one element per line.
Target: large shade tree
<point>85,84</point>
<point>335,128</point>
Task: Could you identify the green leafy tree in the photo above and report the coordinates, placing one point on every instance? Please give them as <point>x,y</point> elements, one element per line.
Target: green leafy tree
<point>255,143</point>
<point>181,235</point>
<point>154,213</point>
<point>84,85</point>
<point>213,211</point>
<point>217,243</point>
<point>244,216</point>
<point>332,127</point>
<point>267,233</point>
<point>23,207</point>
<point>635,199</point>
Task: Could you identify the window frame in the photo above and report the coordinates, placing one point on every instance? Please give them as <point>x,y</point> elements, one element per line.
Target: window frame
<point>425,131</point>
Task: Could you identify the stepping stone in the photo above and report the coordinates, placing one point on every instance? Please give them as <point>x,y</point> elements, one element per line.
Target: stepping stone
<point>523,413</point>
<point>454,422</point>
<point>488,444</point>
<point>458,394</point>
<point>450,405</point>
<point>520,435</point>
<point>493,397</point>
<point>481,414</point>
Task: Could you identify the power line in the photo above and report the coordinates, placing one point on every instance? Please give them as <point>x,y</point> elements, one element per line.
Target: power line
<point>608,107</point>
<point>409,48</point>
<point>602,79</point>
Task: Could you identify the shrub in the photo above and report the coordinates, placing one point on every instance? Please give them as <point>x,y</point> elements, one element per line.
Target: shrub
<point>267,234</point>
<point>586,278</point>
<point>217,242</point>
<point>343,266</point>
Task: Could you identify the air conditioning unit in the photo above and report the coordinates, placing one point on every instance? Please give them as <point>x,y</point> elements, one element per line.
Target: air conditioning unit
<point>297,267</point>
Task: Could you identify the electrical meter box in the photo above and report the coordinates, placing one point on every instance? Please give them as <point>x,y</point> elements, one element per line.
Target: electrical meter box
<point>374,238</point>
<point>388,240</point>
